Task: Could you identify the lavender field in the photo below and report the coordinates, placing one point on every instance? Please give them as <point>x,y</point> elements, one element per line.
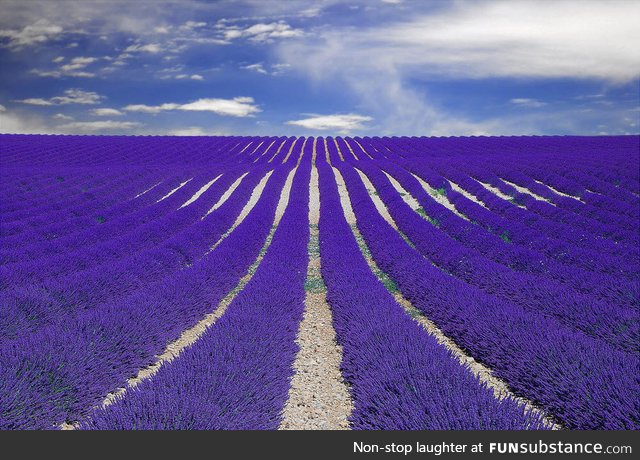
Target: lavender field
<point>409,283</point>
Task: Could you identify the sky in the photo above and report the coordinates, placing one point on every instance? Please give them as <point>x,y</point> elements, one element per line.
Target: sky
<point>361,67</point>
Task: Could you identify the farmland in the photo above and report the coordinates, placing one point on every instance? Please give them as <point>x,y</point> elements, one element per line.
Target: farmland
<point>319,283</point>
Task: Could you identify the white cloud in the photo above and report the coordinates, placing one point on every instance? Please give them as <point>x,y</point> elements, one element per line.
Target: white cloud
<point>106,112</point>
<point>340,123</point>
<point>236,107</point>
<point>184,76</point>
<point>77,63</point>
<point>527,102</point>
<point>260,32</point>
<point>62,116</point>
<point>72,69</point>
<point>35,101</point>
<point>256,68</point>
<point>58,73</point>
<point>494,38</point>
<point>189,25</point>
<point>190,131</point>
<point>58,59</point>
<point>2,108</point>
<point>92,126</point>
<point>13,123</point>
<point>148,48</point>
<point>150,108</point>
<point>395,2</point>
<point>38,32</point>
<point>77,96</point>
<point>71,96</point>
<point>309,12</point>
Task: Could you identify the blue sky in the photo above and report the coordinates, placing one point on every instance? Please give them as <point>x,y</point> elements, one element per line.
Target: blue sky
<point>370,67</point>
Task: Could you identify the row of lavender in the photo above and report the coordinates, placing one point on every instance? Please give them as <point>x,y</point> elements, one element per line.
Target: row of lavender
<point>111,266</point>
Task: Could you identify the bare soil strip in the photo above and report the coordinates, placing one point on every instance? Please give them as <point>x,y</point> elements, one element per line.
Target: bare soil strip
<point>466,194</point>
<point>377,201</point>
<point>148,190</point>
<point>199,193</point>
<point>264,153</point>
<point>191,335</point>
<point>174,190</point>
<point>326,151</point>
<point>362,148</point>
<point>292,147</point>
<point>351,150</point>
<point>338,148</point>
<point>226,195</point>
<point>500,388</point>
<point>499,194</point>
<point>441,197</point>
<point>319,398</point>
<point>558,192</point>
<point>253,199</point>
<point>280,148</point>
<point>527,191</point>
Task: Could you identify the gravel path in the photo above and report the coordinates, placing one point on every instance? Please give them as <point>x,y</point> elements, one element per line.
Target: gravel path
<point>527,191</point>
<point>318,398</point>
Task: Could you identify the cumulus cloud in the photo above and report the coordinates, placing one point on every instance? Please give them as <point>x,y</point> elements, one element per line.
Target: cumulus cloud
<point>39,32</point>
<point>92,126</point>
<point>70,96</point>
<point>2,108</point>
<point>106,112</point>
<point>527,102</point>
<point>341,123</point>
<point>260,32</point>
<point>236,107</point>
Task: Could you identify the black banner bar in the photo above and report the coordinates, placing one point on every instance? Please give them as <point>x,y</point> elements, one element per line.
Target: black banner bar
<point>331,445</point>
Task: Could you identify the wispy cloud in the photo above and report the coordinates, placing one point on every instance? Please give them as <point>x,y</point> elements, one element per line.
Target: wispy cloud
<point>62,116</point>
<point>236,107</point>
<point>73,69</point>
<point>467,40</point>
<point>184,76</point>
<point>70,96</point>
<point>260,32</point>
<point>103,125</point>
<point>152,48</point>
<point>274,69</point>
<point>527,102</point>
<point>106,112</point>
<point>39,32</point>
<point>341,123</point>
<point>258,67</point>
